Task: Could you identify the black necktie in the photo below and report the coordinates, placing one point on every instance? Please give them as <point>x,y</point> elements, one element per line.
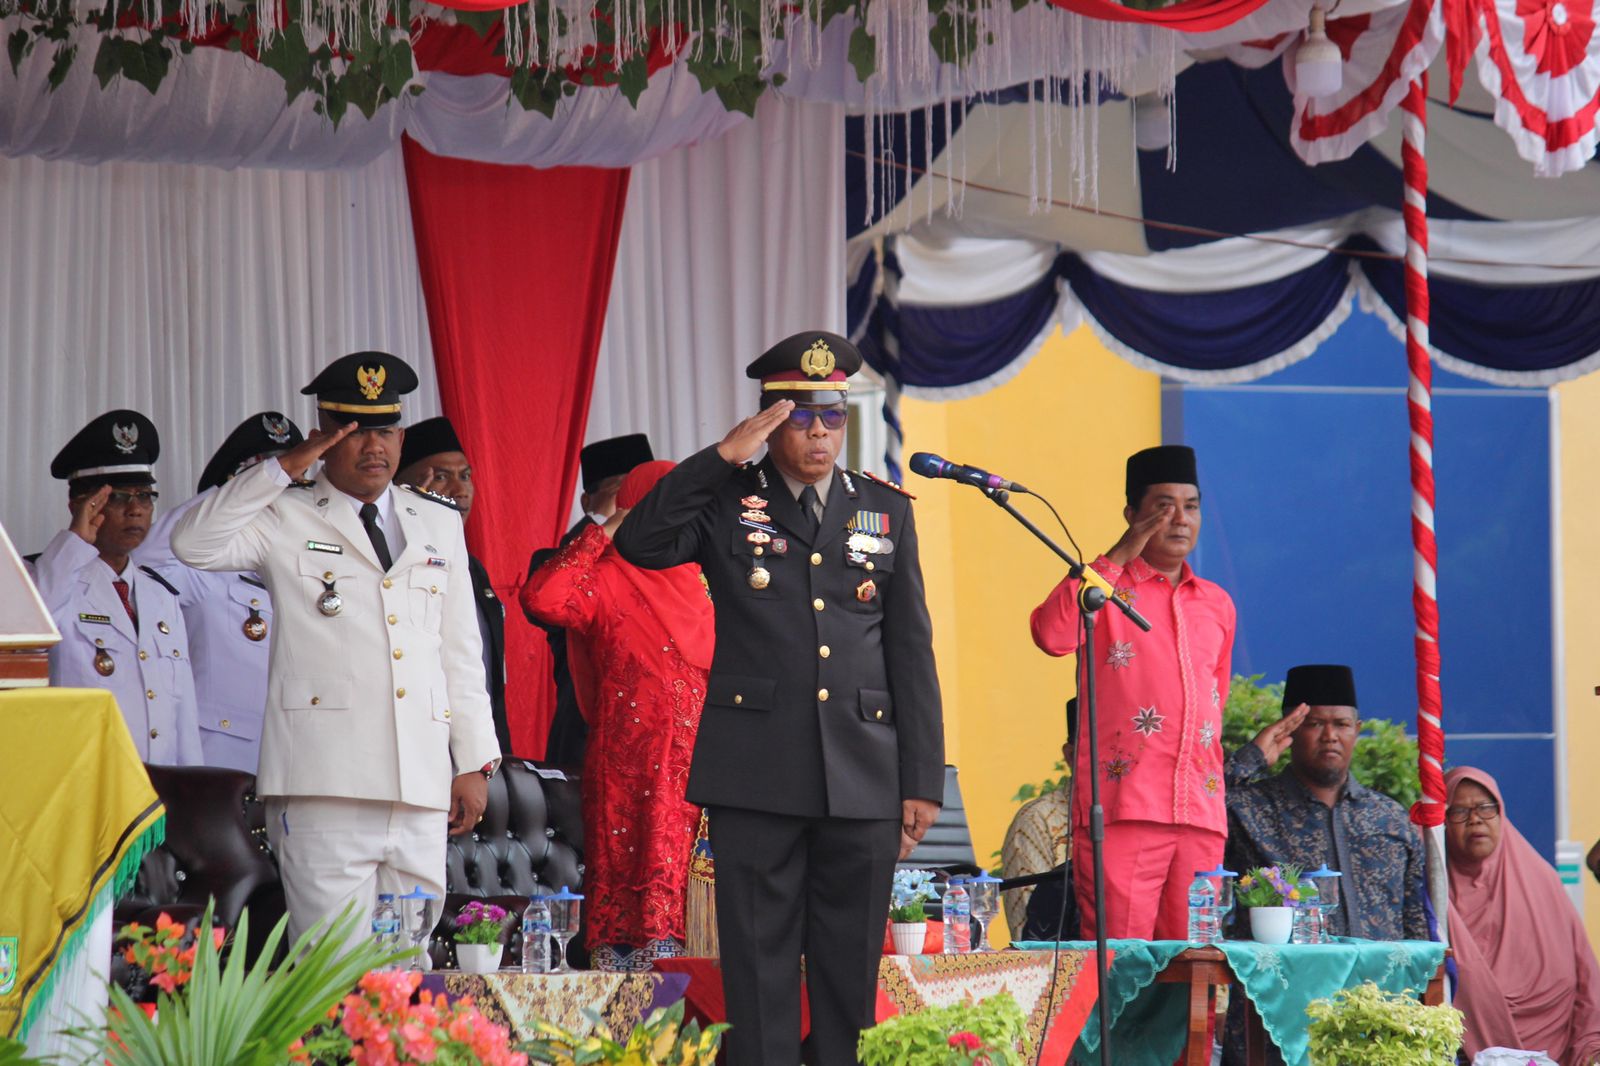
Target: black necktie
<point>809,504</point>
<point>369,520</point>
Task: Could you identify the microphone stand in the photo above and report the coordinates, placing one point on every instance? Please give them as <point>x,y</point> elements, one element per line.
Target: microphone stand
<point>1090,599</point>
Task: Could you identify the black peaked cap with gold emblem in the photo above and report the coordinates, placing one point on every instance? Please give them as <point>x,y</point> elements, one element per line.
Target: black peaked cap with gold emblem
<point>363,387</point>
<point>808,368</point>
<point>1319,685</point>
<point>119,448</point>
<point>262,434</point>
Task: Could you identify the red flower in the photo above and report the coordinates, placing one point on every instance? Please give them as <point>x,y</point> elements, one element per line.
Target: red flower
<point>965,1040</point>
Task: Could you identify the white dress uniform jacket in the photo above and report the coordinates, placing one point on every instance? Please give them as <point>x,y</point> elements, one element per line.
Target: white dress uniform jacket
<point>230,669</point>
<point>150,674</point>
<point>373,702</point>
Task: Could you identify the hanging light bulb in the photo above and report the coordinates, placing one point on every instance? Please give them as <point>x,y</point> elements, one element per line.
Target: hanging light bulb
<point>1152,122</point>
<point>1318,66</point>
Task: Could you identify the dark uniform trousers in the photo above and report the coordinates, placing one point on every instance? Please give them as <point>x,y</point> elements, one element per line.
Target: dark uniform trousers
<point>822,714</point>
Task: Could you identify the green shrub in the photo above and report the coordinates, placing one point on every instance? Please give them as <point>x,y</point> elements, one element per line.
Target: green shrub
<point>1365,1026</point>
<point>957,1035</point>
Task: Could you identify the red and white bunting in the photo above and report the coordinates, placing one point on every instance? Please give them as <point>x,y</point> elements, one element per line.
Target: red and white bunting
<point>1540,60</point>
<point>1384,52</point>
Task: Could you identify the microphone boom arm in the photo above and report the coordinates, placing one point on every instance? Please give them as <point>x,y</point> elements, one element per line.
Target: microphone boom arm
<point>1075,569</point>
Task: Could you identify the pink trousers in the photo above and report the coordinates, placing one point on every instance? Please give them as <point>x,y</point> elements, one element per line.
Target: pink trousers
<point>1148,870</point>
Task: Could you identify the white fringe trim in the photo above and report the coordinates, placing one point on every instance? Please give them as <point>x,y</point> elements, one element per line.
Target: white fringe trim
<point>1234,375</point>
<point>1066,315</point>
<point>1373,304</point>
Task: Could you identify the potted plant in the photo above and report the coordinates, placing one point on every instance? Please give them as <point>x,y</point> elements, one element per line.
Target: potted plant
<point>1270,894</point>
<point>478,930</point>
<point>1366,1026</point>
<point>908,917</point>
<point>986,1033</point>
<point>660,1040</point>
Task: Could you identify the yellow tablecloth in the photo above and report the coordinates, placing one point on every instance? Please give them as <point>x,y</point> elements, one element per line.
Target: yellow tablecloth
<point>77,813</point>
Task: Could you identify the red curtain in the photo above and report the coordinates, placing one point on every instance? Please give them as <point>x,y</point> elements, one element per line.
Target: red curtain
<point>516,271</point>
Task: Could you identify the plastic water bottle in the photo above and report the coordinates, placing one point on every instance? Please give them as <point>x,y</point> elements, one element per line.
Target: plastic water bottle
<point>1307,927</point>
<point>536,935</point>
<point>386,925</point>
<point>957,917</point>
<point>1202,911</point>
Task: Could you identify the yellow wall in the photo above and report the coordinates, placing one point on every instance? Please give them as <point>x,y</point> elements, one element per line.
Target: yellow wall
<point>1063,427</point>
<point>1578,412</point>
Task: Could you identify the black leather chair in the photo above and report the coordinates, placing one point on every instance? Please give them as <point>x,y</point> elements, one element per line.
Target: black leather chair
<point>947,845</point>
<point>216,847</point>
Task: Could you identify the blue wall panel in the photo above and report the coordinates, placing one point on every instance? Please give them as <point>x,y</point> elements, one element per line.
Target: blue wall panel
<point>1307,511</point>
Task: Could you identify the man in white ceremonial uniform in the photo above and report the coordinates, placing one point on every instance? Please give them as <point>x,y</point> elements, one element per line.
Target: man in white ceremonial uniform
<point>228,615</point>
<point>377,737</point>
<point>121,629</point>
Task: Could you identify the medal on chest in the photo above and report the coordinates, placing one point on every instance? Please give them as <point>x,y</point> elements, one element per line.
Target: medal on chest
<point>759,577</point>
<point>329,603</point>
<point>104,665</point>
<point>867,590</point>
<point>255,627</point>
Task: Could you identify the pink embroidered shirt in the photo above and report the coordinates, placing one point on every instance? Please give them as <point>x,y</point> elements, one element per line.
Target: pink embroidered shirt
<point>1160,694</point>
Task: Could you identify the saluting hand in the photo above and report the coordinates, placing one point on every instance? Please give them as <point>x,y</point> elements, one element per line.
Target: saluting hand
<point>88,512</point>
<point>297,460</point>
<point>1140,530</point>
<point>1276,738</point>
<point>745,439</point>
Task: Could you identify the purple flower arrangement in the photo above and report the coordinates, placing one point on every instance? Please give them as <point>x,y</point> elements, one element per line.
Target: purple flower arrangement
<point>480,923</point>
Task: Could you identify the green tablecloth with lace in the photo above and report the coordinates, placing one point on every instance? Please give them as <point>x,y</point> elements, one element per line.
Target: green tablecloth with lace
<point>1149,1020</point>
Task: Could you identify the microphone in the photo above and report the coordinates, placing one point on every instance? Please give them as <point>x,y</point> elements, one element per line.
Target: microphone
<point>929,465</point>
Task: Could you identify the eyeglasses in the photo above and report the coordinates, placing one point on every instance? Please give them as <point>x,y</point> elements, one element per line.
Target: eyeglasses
<point>832,417</point>
<point>123,499</point>
<point>1486,812</point>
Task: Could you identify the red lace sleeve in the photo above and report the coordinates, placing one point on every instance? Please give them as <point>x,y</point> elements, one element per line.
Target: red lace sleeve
<point>562,591</point>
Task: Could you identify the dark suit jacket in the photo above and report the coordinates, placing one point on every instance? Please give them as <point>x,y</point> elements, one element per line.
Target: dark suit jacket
<point>822,700</point>
<point>569,733</point>
<point>492,619</point>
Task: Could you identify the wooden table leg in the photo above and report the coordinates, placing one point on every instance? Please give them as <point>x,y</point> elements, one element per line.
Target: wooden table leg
<point>1433,995</point>
<point>1255,1034</point>
<point>1201,1006</point>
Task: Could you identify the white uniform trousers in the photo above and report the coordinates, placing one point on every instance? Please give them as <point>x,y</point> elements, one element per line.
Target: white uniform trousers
<point>332,851</point>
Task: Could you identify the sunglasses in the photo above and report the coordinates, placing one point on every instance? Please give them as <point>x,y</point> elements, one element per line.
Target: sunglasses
<point>832,417</point>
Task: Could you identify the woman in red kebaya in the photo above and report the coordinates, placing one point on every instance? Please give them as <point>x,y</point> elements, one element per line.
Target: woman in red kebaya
<point>647,637</point>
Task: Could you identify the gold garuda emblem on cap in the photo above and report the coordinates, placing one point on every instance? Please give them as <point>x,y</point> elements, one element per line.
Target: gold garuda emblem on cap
<point>277,429</point>
<point>370,382</point>
<point>818,361</point>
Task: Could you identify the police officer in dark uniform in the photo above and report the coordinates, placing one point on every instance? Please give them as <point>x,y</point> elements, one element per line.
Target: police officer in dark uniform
<point>820,756</point>
<point>431,458</point>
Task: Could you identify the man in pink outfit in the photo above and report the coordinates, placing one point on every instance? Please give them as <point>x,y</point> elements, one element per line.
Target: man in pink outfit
<point>1160,698</point>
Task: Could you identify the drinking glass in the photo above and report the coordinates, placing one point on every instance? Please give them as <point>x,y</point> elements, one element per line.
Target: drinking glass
<point>1327,882</point>
<point>566,909</point>
<point>419,913</point>
<point>985,893</point>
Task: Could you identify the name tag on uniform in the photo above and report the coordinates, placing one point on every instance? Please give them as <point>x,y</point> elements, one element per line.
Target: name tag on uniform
<point>318,546</point>
<point>97,619</point>
<point>435,561</point>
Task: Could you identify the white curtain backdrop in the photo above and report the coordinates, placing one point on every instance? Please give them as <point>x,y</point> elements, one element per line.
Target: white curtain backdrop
<point>195,295</point>
<point>726,247</point>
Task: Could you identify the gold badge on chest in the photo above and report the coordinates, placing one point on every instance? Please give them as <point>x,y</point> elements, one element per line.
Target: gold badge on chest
<point>104,665</point>
<point>759,577</point>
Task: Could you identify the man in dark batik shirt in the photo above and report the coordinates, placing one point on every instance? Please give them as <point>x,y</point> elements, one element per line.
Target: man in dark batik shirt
<point>1314,812</point>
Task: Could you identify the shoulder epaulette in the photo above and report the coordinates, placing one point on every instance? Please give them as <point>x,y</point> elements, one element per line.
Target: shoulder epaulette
<point>886,484</point>
<point>443,501</point>
<point>248,580</point>
<point>163,582</point>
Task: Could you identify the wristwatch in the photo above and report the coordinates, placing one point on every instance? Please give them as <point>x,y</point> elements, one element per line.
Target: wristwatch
<point>489,769</point>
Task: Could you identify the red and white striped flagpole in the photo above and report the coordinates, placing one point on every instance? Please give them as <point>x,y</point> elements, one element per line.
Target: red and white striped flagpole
<point>1429,811</point>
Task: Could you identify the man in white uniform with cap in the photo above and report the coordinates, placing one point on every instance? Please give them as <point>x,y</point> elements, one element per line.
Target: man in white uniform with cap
<point>377,737</point>
<point>121,628</point>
